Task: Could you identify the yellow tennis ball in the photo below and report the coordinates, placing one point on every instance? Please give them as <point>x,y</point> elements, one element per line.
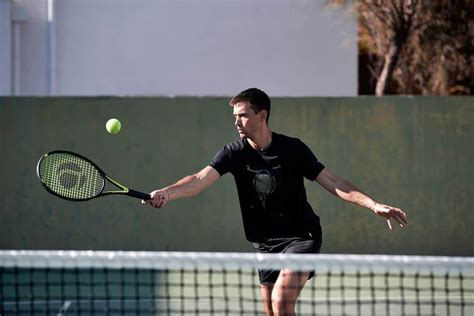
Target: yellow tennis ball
<point>113,126</point>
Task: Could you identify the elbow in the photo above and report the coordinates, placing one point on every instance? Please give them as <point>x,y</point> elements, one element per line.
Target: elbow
<point>346,196</point>
<point>343,190</point>
<point>339,193</point>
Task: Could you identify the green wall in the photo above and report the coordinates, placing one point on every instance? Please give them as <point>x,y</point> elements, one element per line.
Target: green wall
<point>415,153</point>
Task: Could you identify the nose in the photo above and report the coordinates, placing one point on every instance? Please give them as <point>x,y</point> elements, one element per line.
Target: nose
<point>237,121</point>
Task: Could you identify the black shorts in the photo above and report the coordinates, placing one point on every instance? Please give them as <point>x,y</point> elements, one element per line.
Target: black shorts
<point>285,245</point>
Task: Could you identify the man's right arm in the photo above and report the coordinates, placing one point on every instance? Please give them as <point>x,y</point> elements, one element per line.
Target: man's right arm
<point>187,187</point>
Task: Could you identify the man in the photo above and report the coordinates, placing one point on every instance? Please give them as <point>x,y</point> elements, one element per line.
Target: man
<point>269,171</point>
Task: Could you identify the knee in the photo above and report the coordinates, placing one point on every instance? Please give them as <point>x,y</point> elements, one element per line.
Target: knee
<point>280,306</point>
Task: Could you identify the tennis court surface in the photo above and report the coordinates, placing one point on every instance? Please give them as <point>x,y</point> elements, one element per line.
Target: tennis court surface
<point>189,283</point>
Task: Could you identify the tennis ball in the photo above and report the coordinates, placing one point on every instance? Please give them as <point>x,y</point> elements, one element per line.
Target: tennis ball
<point>113,126</point>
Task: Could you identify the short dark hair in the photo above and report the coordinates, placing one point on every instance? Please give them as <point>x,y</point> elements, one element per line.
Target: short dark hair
<point>257,99</point>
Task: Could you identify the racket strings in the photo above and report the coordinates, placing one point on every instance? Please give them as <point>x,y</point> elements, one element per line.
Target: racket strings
<point>71,176</point>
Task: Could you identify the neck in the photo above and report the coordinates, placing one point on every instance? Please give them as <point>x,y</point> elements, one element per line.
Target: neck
<point>262,140</point>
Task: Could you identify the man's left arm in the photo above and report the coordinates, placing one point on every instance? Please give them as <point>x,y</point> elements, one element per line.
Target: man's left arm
<point>348,192</point>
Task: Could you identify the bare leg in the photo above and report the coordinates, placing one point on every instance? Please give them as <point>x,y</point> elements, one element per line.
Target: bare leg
<point>286,290</point>
<point>267,298</point>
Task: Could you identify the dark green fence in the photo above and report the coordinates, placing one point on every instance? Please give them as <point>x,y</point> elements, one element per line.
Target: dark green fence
<point>415,153</point>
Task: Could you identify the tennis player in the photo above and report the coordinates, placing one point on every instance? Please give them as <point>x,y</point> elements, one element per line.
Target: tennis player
<point>269,171</point>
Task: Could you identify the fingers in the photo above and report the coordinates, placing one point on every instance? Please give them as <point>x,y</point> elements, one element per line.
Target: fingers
<point>401,219</point>
<point>158,199</point>
<point>399,216</point>
<point>392,213</point>
<point>389,224</point>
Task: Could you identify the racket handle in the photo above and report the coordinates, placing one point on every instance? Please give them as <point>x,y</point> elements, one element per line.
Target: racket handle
<point>139,195</point>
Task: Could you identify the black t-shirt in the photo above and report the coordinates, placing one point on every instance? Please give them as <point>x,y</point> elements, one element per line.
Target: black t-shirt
<point>270,185</point>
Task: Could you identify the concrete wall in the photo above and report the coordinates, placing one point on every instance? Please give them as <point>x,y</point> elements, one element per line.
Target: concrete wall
<point>415,153</point>
<point>185,47</point>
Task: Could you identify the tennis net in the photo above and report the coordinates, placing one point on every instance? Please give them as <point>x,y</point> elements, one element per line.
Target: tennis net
<point>190,283</point>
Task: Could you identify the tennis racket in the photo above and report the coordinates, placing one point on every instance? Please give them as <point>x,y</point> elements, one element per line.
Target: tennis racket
<point>74,177</point>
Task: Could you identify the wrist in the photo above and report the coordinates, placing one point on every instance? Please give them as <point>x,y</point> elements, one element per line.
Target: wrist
<point>167,194</point>
<point>373,206</point>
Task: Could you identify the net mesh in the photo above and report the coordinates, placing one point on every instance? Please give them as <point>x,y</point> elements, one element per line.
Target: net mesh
<point>173,283</point>
<point>70,176</point>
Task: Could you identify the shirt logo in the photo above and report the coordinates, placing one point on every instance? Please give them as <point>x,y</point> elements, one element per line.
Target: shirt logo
<point>263,182</point>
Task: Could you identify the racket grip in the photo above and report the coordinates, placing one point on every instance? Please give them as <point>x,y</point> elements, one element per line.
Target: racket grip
<point>139,195</point>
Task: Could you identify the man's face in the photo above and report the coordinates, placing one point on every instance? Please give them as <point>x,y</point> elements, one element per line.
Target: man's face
<point>246,120</point>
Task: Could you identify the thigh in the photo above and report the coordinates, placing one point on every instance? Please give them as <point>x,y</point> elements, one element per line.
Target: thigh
<point>294,245</point>
<point>289,285</point>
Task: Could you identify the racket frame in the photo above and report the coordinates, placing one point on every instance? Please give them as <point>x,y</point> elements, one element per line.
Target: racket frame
<point>124,190</point>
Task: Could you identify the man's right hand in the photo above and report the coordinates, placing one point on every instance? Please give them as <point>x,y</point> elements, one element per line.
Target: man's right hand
<point>159,198</point>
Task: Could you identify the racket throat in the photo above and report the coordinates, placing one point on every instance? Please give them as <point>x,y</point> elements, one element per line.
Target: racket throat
<point>127,191</point>
<point>123,189</point>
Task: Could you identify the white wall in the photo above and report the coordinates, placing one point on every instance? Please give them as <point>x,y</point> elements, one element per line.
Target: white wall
<point>188,47</point>
<point>5,48</point>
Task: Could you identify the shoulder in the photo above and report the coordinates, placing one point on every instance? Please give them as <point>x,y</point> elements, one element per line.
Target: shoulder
<point>292,145</point>
<point>287,140</point>
<point>231,150</point>
<point>226,159</point>
<point>235,146</point>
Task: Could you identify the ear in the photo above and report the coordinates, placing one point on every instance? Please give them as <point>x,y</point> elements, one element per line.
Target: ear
<point>262,115</point>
